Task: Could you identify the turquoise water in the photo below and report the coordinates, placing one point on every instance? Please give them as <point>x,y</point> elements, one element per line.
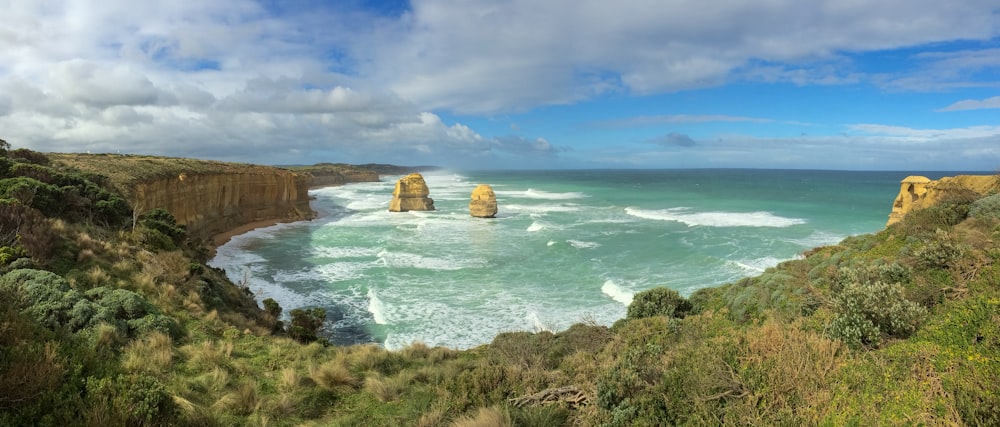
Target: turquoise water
<point>567,246</point>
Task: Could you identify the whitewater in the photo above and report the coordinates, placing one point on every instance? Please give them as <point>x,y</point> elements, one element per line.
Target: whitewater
<point>566,246</point>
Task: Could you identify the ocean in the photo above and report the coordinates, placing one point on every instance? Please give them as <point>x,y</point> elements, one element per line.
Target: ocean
<point>566,246</point>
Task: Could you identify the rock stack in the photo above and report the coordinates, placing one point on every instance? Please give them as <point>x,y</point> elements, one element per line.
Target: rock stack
<point>411,195</point>
<point>484,202</point>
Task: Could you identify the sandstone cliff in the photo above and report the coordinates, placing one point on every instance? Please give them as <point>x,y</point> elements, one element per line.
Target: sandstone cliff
<point>484,202</point>
<point>329,174</point>
<point>411,194</point>
<point>918,192</point>
<point>205,196</point>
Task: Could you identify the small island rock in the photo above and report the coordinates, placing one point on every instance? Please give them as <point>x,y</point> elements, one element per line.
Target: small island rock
<point>411,195</point>
<point>484,202</point>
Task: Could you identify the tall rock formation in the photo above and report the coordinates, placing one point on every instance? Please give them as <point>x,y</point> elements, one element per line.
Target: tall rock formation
<point>484,202</point>
<point>918,192</point>
<point>411,195</point>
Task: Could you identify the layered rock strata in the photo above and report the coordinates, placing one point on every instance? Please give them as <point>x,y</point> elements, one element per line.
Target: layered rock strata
<point>484,202</point>
<point>918,192</point>
<point>209,204</point>
<point>411,194</point>
<point>207,197</point>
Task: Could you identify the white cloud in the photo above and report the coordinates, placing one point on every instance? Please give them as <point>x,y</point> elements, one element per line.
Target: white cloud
<point>485,56</point>
<point>974,104</point>
<point>227,79</point>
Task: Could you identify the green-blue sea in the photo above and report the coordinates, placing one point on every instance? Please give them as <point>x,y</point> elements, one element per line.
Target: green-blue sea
<point>566,246</point>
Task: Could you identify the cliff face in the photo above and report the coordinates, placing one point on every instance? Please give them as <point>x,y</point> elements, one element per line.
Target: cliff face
<point>327,174</point>
<point>918,192</point>
<point>212,203</point>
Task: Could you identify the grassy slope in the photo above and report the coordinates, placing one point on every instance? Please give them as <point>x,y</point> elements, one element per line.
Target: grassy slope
<point>759,351</point>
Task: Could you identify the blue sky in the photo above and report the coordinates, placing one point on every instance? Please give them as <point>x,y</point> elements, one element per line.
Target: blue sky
<point>827,84</point>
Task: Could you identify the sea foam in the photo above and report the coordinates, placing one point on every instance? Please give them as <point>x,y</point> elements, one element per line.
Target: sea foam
<point>377,308</point>
<point>715,219</point>
<point>617,293</point>
<point>531,193</point>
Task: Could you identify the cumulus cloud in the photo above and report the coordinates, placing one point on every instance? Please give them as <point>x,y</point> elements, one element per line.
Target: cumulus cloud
<point>278,82</point>
<point>486,56</point>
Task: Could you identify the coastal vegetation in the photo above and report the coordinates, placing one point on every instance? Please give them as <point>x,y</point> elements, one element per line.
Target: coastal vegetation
<point>112,317</point>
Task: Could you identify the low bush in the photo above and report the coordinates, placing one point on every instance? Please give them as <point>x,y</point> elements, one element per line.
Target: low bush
<point>658,301</point>
<point>867,311</point>
<point>306,323</point>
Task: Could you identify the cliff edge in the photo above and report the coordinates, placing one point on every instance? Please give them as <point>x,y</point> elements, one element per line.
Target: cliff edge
<point>207,197</point>
<point>918,192</point>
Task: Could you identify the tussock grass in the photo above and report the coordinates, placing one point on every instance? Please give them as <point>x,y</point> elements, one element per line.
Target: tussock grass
<point>432,418</point>
<point>152,354</point>
<point>208,354</point>
<point>333,375</point>
<point>107,337</point>
<point>242,401</point>
<point>485,417</point>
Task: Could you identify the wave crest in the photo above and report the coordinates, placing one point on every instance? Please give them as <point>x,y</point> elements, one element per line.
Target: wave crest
<point>715,219</point>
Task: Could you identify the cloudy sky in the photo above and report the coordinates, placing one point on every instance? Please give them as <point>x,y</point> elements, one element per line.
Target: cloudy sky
<point>468,84</point>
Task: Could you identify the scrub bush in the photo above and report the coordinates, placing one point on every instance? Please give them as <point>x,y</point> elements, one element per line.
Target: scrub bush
<point>658,302</point>
<point>306,323</point>
<point>987,207</point>
<point>867,311</point>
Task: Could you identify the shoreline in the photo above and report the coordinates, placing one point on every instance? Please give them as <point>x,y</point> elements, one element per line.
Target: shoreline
<point>224,237</point>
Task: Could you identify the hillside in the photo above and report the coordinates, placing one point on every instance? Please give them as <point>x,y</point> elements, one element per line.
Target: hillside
<point>112,318</point>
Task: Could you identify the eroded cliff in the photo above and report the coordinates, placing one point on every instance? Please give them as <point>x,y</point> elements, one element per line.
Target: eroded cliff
<point>918,192</point>
<point>331,174</point>
<point>206,197</point>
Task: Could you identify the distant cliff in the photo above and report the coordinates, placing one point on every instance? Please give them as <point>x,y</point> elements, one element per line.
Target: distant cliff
<point>205,196</point>
<point>329,174</point>
<point>918,192</point>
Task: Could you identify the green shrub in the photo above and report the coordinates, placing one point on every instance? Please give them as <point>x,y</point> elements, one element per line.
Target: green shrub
<point>987,207</point>
<point>867,311</point>
<point>873,272</point>
<point>938,252</point>
<point>134,400</point>
<point>34,193</point>
<point>658,301</point>
<point>306,323</point>
<point>272,307</point>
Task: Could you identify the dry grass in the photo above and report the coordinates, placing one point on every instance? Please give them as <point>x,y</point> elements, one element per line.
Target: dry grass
<point>242,401</point>
<point>386,389</point>
<point>433,418</point>
<point>153,354</point>
<point>107,337</point>
<point>333,375</point>
<point>208,355</point>
<point>796,386</point>
<point>485,417</point>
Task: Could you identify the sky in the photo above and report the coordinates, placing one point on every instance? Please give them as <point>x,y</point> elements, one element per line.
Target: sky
<point>510,84</point>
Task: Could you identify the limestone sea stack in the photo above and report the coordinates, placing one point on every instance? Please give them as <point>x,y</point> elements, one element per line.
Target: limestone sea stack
<point>484,202</point>
<point>411,195</point>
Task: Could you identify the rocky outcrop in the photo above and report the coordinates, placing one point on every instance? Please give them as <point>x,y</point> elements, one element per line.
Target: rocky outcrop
<point>918,192</point>
<point>212,203</point>
<point>484,202</point>
<point>411,194</point>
